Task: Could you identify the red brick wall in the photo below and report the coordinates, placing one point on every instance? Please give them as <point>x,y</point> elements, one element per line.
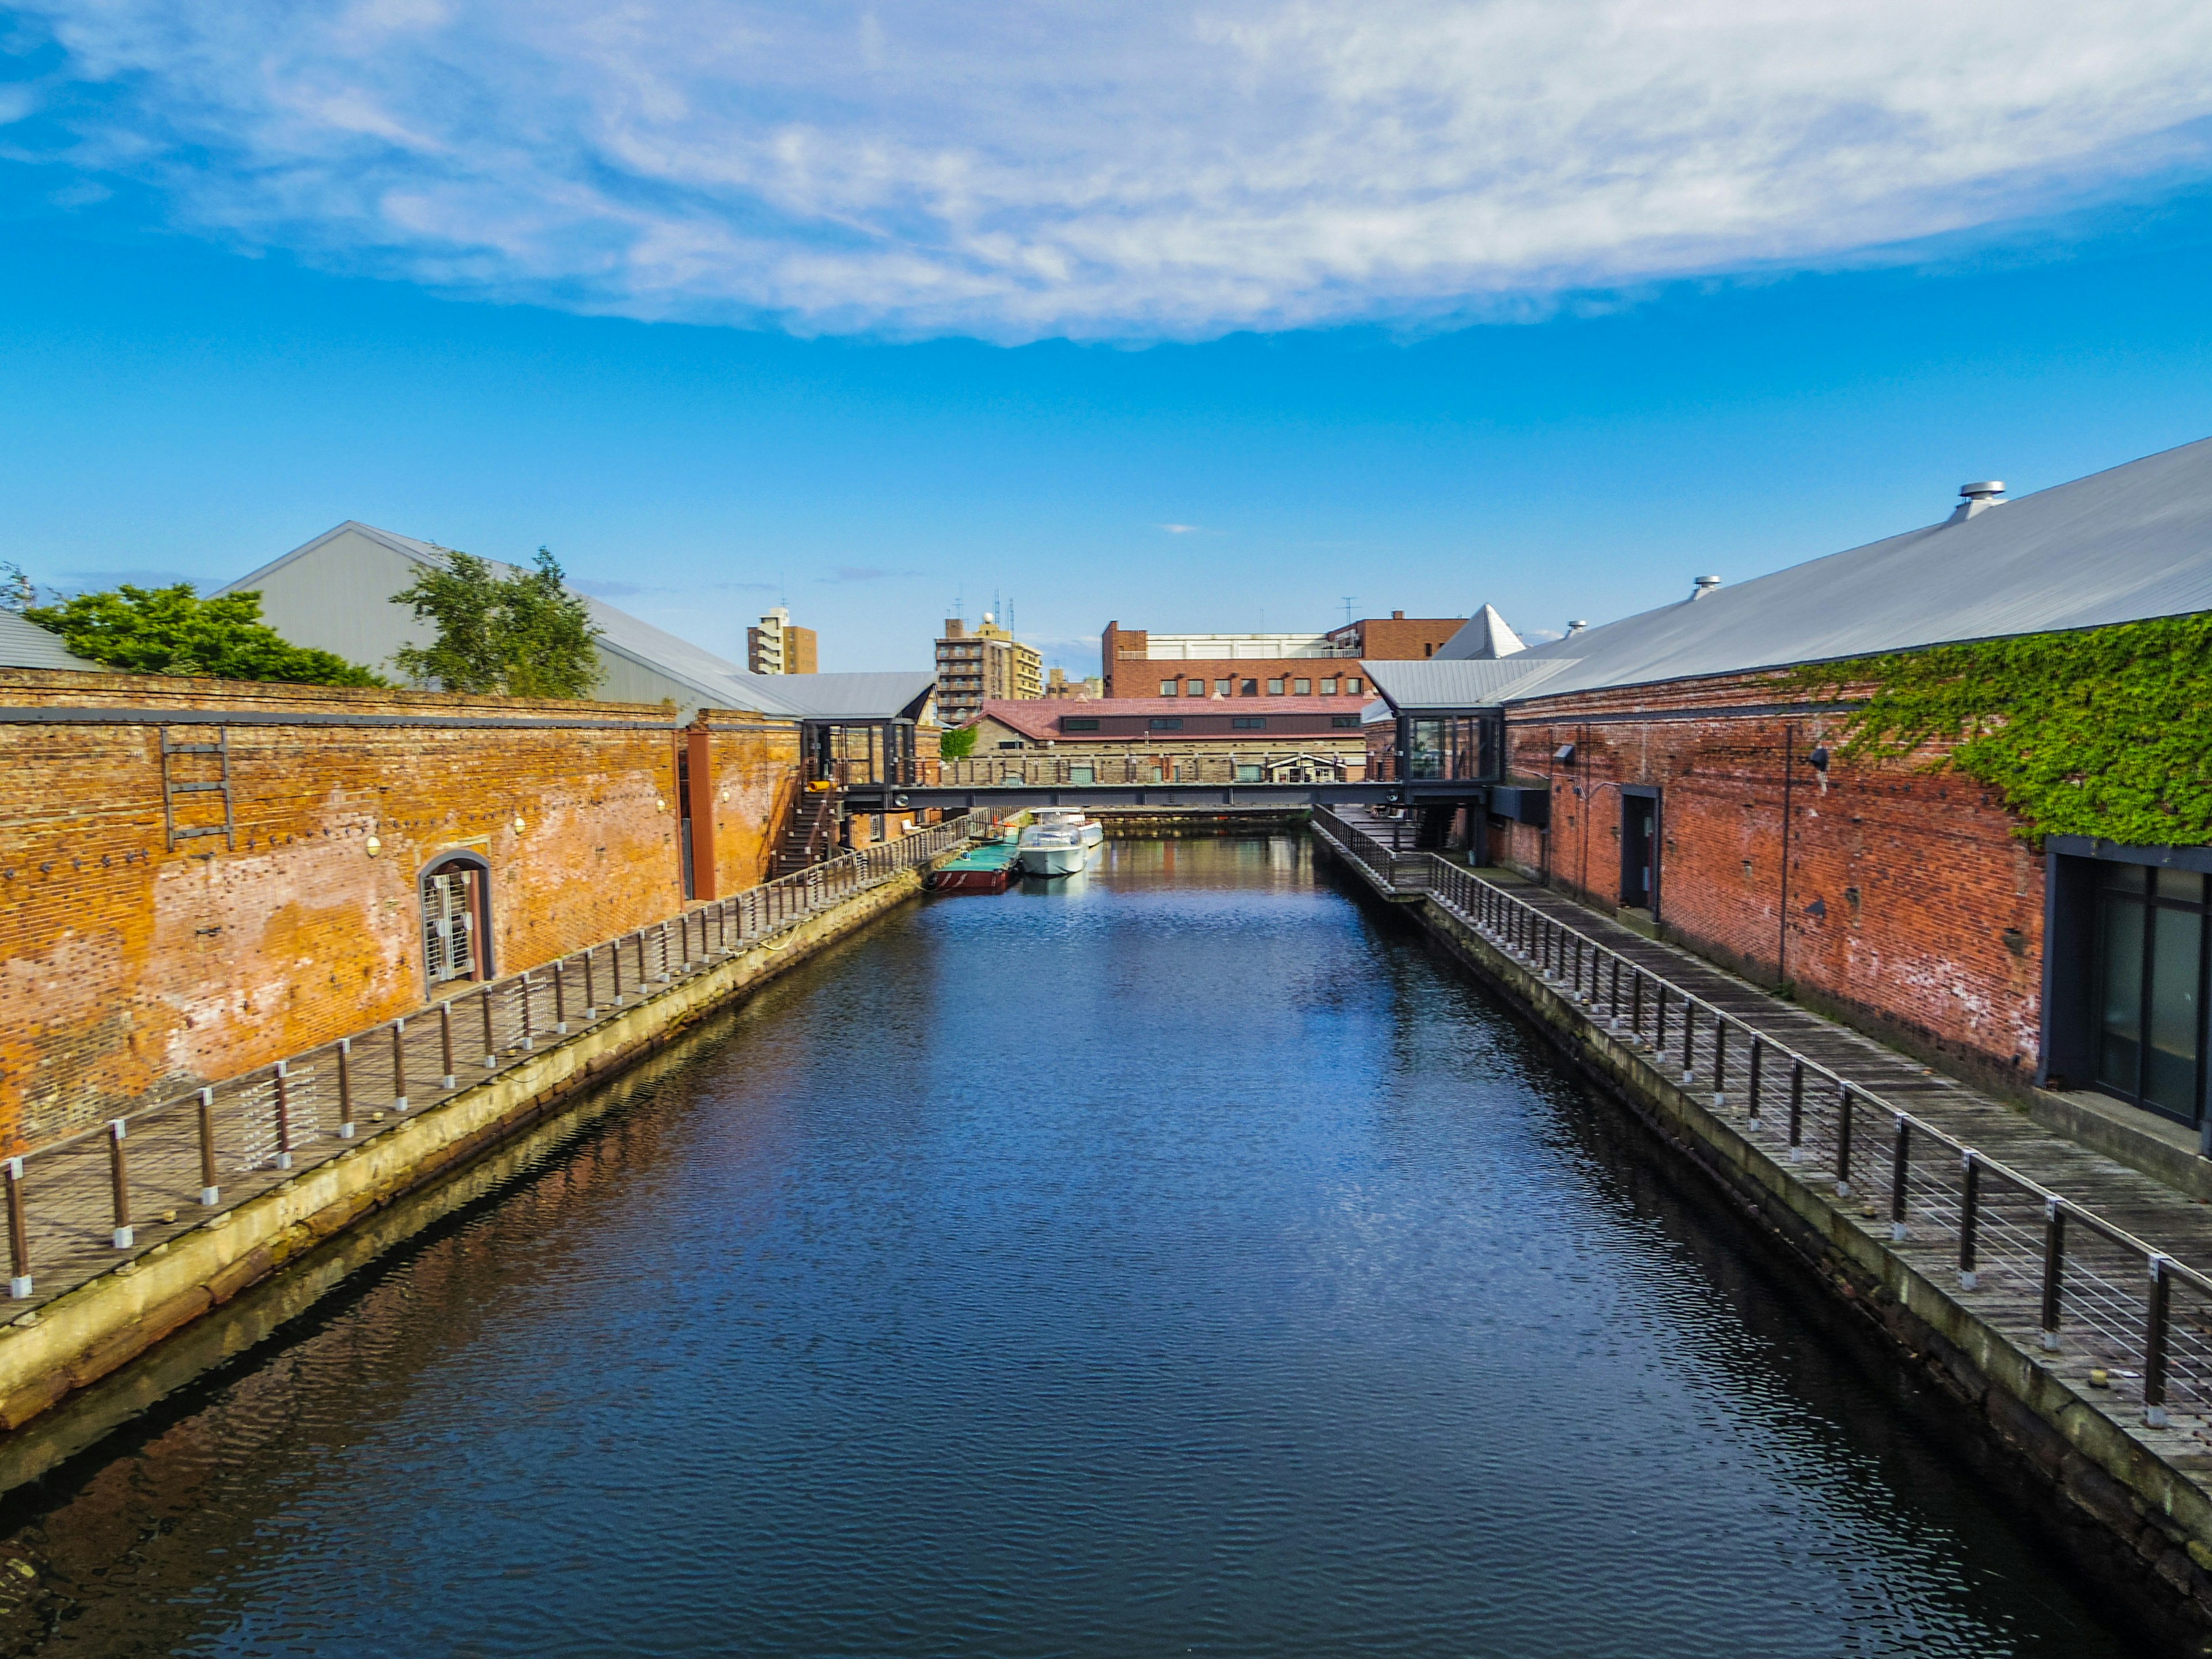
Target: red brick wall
<point>1912,909</point>
<point>132,969</point>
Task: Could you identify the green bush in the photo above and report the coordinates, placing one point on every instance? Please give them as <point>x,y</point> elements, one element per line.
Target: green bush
<point>172,630</point>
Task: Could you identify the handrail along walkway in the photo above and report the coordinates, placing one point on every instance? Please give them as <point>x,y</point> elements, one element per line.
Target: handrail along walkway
<point>76,1203</point>
<point>2031,1252</point>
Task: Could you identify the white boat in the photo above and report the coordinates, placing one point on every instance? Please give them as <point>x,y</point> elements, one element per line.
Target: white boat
<point>1093,831</point>
<point>1053,850</point>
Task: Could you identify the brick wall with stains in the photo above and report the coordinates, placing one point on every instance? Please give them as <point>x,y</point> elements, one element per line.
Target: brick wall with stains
<point>1912,908</point>
<point>135,967</point>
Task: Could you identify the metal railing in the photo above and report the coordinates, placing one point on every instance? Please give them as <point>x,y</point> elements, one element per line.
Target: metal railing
<point>1141,766</point>
<point>2026,1256</point>
<point>128,1183</point>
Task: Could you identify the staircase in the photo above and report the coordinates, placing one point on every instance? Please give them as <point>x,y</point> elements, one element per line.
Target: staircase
<point>809,835</point>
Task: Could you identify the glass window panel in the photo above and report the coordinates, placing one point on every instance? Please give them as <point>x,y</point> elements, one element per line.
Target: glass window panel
<point>1301,687</point>
<point>1274,688</point>
<point>2121,975</point>
<point>2174,1023</point>
<point>2125,878</point>
<point>1169,688</point>
<point>1427,758</point>
<point>2185,885</point>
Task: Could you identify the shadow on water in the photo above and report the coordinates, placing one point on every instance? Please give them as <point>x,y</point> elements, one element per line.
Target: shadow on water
<point>1175,1258</point>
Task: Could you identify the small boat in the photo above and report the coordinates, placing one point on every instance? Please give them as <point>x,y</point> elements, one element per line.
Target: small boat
<point>1053,849</point>
<point>983,869</point>
<point>1093,831</point>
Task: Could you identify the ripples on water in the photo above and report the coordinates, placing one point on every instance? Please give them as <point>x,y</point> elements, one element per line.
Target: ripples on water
<point>1177,1260</point>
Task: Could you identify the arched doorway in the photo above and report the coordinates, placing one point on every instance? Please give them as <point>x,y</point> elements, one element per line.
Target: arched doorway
<point>456,919</point>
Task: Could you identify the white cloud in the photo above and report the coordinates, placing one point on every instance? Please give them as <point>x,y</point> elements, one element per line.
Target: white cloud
<point>1131,171</point>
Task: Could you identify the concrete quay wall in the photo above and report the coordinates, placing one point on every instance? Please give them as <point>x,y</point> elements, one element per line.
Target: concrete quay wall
<point>2133,1518</point>
<point>102,1326</point>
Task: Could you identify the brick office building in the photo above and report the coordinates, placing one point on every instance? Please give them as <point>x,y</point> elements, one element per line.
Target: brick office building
<point>1102,738</point>
<point>1138,664</point>
<point>1670,766</point>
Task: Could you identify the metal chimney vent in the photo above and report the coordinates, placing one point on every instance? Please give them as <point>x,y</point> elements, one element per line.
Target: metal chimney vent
<point>1576,627</point>
<point>1703,586</point>
<point>1976,498</point>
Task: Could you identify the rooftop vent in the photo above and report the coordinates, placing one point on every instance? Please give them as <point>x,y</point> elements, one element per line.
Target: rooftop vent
<point>1703,586</point>
<point>1576,627</point>
<point>1977,498</point>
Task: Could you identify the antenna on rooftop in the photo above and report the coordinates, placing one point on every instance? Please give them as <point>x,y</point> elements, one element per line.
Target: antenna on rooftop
<point>1349,601</point>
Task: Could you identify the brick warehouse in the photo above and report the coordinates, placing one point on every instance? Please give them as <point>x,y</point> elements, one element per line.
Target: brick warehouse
<point>141,957</point>
<point>1672,766</point>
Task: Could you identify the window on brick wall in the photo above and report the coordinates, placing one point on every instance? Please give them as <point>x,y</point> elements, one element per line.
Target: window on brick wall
<point>1301,687</point>
<point>1223,688</point>
<point>456,920</point>
<point>1248,689</point>
<point>1274,688</point>
<point>1169,688</point>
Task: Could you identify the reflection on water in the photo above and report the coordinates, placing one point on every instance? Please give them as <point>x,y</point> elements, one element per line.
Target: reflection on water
<point>1167,1258</point>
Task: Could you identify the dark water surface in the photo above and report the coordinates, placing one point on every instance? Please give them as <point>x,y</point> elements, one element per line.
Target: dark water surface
<point>1178,1261</point>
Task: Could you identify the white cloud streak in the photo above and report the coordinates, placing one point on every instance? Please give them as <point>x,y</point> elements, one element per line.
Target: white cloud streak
<point>1145,170</point>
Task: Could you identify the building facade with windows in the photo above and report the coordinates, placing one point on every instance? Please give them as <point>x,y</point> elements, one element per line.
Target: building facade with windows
<point>1679,765</point>
<point>1135,663</point>
<point>983,664</point>
<point>1308,736</point>
<point>776,644</point>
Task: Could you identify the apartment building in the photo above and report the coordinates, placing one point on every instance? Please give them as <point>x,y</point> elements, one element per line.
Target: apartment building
<point>778,645</point>
<point>988,664</point>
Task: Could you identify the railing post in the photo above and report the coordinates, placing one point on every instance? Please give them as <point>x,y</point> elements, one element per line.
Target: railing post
<point>448,1078</point>
<point>119,1183</point>
<point>345,1088</point>
<point>281,1084</point>
<point>1689,1040</point>
<point>2155,1332</point>
<point>490,1043</point>
<point>1720,1061</point>
<point>1901,1166</point>
<point>1796,1110</point>
<point>1969,1205</point>
<point>1659,1029</point>
<point>591,996</point>
<point>18,1234</point>
<point>1751,1086</point>
<point>560,997</point>
<point>614,956</point>
<point>399,1064</point>
<point>2054,1269</point>
<point>210,1192</point>
<point>1842,1141</point>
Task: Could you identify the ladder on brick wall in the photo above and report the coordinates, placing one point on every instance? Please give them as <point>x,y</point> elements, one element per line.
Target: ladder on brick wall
<point>810,836</point>
<point>177,792</point>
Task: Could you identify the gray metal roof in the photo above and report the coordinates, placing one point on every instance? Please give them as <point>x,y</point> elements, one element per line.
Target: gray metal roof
<point>27,645</point>
<point>852,696</point>
<point>1436,685</point>
<point>713,682</point>
<point>2118,546</point>
<point>1487,634</point>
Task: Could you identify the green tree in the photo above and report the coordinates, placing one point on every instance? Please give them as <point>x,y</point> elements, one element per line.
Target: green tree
<point>17,593</point>
<point>172,630</point>
<point>958,743</point>
<point>523,634</point>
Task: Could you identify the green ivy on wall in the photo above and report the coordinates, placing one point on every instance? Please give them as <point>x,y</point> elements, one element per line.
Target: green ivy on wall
<point>2103,732</point>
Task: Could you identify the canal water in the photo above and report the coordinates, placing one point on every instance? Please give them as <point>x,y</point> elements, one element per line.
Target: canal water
<point>1179,1261</point>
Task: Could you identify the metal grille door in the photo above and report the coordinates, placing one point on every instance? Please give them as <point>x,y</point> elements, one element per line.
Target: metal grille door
<point>449,931</point>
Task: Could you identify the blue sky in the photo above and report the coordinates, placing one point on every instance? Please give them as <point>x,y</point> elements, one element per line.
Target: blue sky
<point>1210,321</point>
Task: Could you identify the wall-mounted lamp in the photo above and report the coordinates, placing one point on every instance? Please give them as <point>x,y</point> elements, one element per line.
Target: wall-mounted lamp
<point>1564,753</point>
<point>372,847</point>
<point>518,826</point>
<point>1818,760</point>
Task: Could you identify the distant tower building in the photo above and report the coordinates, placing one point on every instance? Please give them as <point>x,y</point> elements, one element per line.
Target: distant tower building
<point>778,648</point>
<point>989,663</point>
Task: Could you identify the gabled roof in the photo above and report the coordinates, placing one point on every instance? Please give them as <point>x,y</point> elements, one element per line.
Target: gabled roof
<point>27,645</point>
<point>1485,637</point>
<point>2122,545</point>
<point>1434,685</point>
<point>714,681</point>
